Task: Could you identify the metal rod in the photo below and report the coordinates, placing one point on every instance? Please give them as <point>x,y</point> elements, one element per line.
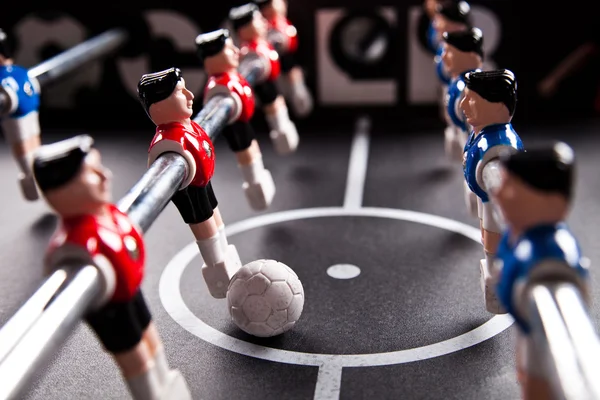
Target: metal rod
<point>146,200</point>
<point>73,58</point>
<point>552,324</point>
<point>251,68</point>
<point>52,328</point>
<point>20,323</point>
<point>215,114</point>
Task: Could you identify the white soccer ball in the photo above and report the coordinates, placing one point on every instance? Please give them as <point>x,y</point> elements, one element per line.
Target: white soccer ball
<point>265,298</point>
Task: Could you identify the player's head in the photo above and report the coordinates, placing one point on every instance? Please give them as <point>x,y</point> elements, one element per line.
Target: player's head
<point>164,96</point>
<point>272,8</point>
<point>248,22</point>
<point>463,50</point>
<point>536,186</point>
<point>490,97</point>
<point>71,176</point>
<point>217,51</point>
<point>452,16</point>
<point>5,53</point>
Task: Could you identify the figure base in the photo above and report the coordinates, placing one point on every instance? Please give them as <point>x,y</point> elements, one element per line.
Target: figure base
<point>260,194</point>
<point>217,276</point>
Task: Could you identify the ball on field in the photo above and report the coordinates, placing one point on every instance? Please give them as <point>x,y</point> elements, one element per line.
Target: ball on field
<point>265,298</point>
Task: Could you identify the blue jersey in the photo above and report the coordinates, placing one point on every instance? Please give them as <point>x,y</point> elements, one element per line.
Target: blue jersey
<point>22,90</point>
<point>542,243</point>
<point>455,91</point>
<point>478,146</point>
<point>432,38</point>
<point>439,66</point>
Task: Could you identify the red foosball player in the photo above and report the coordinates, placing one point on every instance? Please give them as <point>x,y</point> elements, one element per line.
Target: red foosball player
<point>169,103</point>
<point>284,37</point>
<point>251,29</point>
<point>220,58</point>
<point>93,231</point>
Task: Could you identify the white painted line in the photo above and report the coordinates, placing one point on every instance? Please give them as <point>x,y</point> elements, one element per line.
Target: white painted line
<point>329,382</point>
<point>357,166</point>
<point>343,271</point>
<point>170,295</point>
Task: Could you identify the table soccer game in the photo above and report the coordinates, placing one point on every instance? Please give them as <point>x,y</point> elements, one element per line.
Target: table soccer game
<point>299,200</point>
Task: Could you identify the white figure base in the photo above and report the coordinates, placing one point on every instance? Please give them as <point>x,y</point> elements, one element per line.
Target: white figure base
<point>302,102</point>
<point>260,194</point>
<point>488,286</point>
<point>28,187</point>
<point>285,141</point>
<point>176,387</point>
<point>217,276</point>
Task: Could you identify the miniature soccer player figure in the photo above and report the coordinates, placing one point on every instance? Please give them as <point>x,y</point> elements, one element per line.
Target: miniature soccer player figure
<point>534,197</point>
<point>432,37</point>
<point>93,231</point>
<point>251,29</point>
<point>489,104</point>
<point>169,103</point>
<point>450,16</point>
<point>284,37</point>
<point>20,121</point>
<point>462,53</point>
<point>220,58</point>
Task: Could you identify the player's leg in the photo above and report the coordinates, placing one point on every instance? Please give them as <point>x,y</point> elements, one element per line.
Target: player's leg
<point>196,205</point>
<point>23,136</point>
<point>120,327</point>
<point>295,85</point>
<point>283,131</point>
<point>258,181</point>
<point>491,234</point>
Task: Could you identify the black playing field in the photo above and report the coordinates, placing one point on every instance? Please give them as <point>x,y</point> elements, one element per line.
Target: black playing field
<point>403,317</point>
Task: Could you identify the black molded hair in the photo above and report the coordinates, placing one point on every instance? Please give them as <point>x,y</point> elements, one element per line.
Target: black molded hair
<point>243,15</point>
<point>262,3</point>
<point>212,43</point>
<point>56,164</point>
<point>470,41</point>
<point>499,86</point>
<point>548,169</point>
<point>157,86</point>
<point>457,11</point>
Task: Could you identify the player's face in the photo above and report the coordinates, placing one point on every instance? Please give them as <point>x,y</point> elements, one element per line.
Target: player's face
<point>259,25</point>
<point>280,7</point>
<point>442,24</point>
<point>5,60</point>
<point>447,55</point>
<point>94,178</point>
<point>474,108</point>
<point>516,201</point>
<point>231,54</point>
<point>179,105</point>
<point>430,6</point>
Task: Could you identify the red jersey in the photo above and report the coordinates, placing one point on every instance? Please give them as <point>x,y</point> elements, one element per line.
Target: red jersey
<point>285,27</point>
<point>235,83</point>
<point>267,52</point>
<point>195,146</point>
<point>114,237</point>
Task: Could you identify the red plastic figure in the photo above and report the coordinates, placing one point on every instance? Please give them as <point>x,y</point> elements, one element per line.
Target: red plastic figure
<point>169,103</point>
<point>284,37</point>
<point>93,231</point>
<point>251,29</point>
<point>220,58</point>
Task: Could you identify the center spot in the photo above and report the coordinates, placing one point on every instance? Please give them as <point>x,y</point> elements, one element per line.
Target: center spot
<point>343,271</point>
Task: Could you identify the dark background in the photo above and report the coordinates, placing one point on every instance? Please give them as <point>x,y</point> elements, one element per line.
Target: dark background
<point>532,43</point>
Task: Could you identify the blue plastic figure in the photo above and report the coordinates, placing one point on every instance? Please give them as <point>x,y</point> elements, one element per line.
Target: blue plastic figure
<point>489,104</point>
<point>534,197</point>
<point>19,116</point>
<point>462,53</point>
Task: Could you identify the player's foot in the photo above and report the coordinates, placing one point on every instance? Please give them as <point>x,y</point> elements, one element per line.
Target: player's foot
<point>176,387</point>
<point>28,187</point>
<point>285,140</point>
<point>488,286</point>
<point>217,276</point>
<point>302,102</point>
<point>261,192</point>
